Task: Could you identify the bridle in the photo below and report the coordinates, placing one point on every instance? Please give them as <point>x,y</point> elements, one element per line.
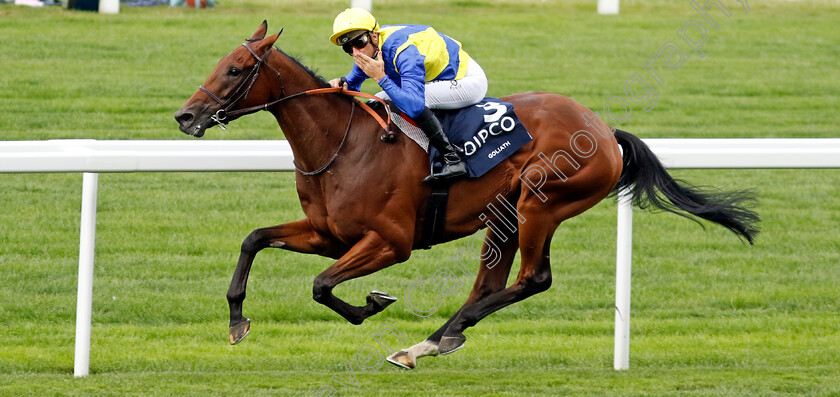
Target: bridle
<point>241,92</point>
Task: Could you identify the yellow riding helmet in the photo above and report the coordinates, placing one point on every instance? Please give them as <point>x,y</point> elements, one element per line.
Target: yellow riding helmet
<point>352,19</point>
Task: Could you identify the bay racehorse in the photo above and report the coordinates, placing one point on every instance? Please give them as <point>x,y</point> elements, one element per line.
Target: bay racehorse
<point>365,204</point>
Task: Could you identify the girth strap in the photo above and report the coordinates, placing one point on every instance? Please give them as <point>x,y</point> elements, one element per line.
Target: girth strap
<point>435,223</point>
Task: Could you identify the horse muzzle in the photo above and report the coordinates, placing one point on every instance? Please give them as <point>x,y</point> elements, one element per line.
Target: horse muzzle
<point>191,124</point>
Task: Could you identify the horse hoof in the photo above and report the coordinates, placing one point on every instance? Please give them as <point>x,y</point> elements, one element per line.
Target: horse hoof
<point>402,359</point>
<point>239,331</point>
<point>450,344</point>
<point>381,299</point>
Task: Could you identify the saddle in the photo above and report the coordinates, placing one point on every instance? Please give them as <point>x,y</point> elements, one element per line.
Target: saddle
<point>488,132</point>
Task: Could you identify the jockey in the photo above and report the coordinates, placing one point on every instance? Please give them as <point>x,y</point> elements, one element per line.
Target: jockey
<point>417,68</point>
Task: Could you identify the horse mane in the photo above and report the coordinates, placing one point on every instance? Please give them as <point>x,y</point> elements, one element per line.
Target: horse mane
<point>320,80</point>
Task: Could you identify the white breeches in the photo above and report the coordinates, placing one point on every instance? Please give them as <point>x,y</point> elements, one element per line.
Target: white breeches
<point>455,94</point>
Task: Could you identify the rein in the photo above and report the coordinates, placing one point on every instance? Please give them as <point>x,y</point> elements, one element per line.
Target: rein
<point>238,94</point>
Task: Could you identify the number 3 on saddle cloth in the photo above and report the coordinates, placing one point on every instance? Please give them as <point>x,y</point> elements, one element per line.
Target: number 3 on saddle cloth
<point>488,132</point>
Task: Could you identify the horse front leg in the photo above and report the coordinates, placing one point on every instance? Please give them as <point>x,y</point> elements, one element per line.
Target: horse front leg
<point>372,253</point>
<point>298,236</point>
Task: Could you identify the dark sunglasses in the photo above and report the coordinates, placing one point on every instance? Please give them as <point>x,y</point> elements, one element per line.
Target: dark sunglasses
<point>359,42</point>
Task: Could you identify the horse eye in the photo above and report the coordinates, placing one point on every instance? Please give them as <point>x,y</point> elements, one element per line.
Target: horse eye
<point>234,72</point>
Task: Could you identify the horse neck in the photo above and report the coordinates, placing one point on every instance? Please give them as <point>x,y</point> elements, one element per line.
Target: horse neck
<point>314,125</point>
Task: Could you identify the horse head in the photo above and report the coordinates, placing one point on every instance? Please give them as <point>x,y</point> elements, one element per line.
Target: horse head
<point>231,90</point>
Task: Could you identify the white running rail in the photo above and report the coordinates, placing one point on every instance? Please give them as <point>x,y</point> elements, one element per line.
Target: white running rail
<point>93,156</point>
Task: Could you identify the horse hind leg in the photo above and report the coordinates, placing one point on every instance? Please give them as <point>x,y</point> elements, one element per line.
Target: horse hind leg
<point>492,277</point>
<point>541,221</point>
<point>534,277</point>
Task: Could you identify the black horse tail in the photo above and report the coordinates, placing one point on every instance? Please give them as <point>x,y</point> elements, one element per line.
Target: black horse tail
<point>648,180</point>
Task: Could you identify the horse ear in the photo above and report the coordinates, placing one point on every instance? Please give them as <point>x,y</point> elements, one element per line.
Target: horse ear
<point>266,43</point>
<point>260,33</point>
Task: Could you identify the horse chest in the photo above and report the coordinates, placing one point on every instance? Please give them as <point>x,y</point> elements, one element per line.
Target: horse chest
<point>343,205</point>
<point>341,219</point>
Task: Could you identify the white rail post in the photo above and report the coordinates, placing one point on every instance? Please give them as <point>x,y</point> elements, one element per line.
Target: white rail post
<point>608,7</point>
<point>109,6</point>
<point>366,4</point>
<point>623,260</point>
<point>84,301</point>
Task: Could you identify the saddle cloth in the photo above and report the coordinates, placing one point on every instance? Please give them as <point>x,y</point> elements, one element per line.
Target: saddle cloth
<point>488,132</point>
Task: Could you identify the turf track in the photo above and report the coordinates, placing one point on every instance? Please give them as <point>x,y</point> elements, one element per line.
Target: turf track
<point>710,315</point>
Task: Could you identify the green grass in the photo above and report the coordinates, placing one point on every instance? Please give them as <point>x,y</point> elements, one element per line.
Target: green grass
<point>711,317</point>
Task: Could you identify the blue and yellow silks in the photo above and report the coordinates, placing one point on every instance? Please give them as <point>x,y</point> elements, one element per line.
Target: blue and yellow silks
<point>413,55</point>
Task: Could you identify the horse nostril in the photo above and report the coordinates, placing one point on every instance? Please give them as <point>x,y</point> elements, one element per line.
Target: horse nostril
<point>184,118</point>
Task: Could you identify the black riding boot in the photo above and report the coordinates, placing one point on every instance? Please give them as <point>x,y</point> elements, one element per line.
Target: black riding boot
<point>452,165</point>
